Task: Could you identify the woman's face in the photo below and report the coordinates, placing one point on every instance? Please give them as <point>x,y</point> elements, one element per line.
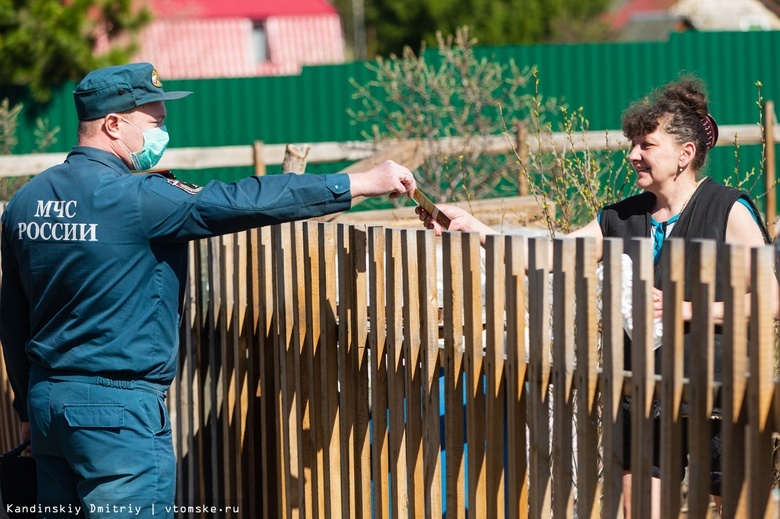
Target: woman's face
<point>656,158</point>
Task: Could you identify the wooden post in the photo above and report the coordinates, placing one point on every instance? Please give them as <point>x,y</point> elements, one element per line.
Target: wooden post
<point>769,165</point>
<point>295,158</point>
<point>258,160</point>
<point>522,153</point>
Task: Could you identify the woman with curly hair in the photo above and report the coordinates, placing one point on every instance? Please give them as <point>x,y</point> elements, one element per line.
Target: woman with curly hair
<point>671,131</point>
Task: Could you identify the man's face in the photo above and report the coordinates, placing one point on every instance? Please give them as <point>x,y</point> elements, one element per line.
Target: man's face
<point>144,117</point>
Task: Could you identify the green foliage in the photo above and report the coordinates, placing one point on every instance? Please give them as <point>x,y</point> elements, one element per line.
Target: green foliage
<point>451,94</point>
<point>571,179</point>
<point>466,111</point>
<point>45,136</point>
<point>8,122</point>
<point>747,180</point>
<point>44,42</point>
<point>394,24</point>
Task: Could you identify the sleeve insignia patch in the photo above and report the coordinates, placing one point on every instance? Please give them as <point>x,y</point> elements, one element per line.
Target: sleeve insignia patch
<point>184,186</point>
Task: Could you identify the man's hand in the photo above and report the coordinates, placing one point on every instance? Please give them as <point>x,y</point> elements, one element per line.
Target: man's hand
<point>26,435</point>
<point>388,178</point>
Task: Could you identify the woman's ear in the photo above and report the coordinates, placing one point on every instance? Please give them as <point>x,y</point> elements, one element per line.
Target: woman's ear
<point>687,153</point>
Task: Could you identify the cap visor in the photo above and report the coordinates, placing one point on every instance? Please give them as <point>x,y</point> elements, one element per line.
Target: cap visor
<point>169,96</point>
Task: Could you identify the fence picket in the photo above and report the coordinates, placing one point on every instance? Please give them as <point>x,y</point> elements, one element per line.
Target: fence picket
<point>454,363</point>
<point>347,371</point>
<point>734,390</point>
<point>761,384</point>
<point>588,488</point>
<point>264,306</point>
<point>396,380</point>
<point>303,366</point>
<point>291,483</point>
<point>227,277</point>
<point>516,372</point>
<point>379,369</point>
<point>642,379</point>
<point>314,354</point>
<point>673,260</point>
<point>474,360</point>
<point>335,466</point>
<point>700,425</point>
<point>212,387</point>
<point>357,349</point>
<point>414,375</point>
<point>539,375</point>
<point>242,381</point>
<point>562,377</point>
<point>430,357</point>
<point>613,378</point>
<point>495,274</point>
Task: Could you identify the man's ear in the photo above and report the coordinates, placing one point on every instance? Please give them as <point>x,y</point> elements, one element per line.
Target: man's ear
<point>111,125</point>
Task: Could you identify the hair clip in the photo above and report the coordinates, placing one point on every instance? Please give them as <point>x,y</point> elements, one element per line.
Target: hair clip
<point>711,129</point>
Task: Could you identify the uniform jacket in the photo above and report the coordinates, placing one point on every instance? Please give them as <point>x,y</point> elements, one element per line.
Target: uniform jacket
<point>94,260</point>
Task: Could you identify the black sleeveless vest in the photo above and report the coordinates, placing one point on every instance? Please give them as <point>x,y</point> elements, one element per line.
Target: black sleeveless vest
<point>705,216</point>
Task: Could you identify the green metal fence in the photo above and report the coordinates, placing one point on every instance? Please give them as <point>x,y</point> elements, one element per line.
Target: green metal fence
<point>312,107</point>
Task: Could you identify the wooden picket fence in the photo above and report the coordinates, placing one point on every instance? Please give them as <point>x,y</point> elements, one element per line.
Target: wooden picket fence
<point>316,359</point>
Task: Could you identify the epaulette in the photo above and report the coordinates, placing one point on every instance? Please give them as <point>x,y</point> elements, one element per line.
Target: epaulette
<point>164,172</point>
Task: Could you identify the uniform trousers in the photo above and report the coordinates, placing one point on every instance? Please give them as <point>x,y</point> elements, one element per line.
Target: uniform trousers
<point>103,447</point>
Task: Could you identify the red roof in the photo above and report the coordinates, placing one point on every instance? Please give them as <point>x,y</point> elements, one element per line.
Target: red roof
<point>252,9</point>
<point>626,9</point>
<point>208,48</point>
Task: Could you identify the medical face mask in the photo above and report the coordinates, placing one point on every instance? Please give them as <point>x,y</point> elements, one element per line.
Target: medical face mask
<point>155,142</point>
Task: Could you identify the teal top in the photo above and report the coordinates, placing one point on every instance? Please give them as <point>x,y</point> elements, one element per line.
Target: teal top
<point>660,230</point>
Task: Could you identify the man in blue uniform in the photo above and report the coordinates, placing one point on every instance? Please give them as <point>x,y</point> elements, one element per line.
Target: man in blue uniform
<point>94,264</point>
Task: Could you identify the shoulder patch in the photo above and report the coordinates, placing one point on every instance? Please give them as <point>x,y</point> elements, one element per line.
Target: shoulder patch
<point>184,186</point>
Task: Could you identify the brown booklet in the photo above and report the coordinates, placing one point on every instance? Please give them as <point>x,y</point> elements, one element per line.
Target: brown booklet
<point>430,208</point>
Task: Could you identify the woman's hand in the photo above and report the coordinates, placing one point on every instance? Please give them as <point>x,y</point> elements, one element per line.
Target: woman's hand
<point>460,220</point>
<point>658,306</point>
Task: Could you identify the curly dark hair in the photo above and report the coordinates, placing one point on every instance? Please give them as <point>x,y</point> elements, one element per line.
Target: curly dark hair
<point>680,106</point>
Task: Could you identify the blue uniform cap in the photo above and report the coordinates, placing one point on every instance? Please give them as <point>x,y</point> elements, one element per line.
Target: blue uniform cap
<point>118,89</point>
